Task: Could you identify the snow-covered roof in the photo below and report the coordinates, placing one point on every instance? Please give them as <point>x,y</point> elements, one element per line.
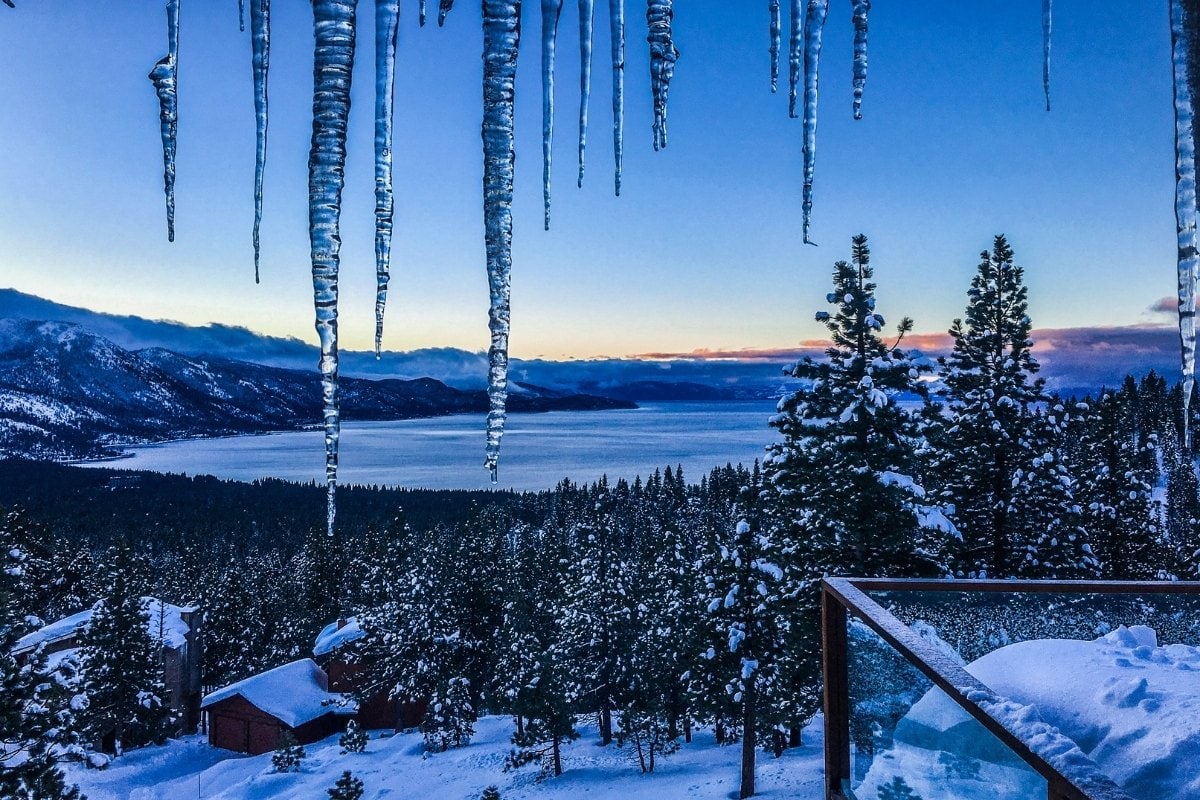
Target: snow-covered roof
<point>294,694</point>
<point>174,630</point>
<point>332,637</point>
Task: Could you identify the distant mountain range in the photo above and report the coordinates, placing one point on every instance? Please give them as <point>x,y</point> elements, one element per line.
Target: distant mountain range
<point>66,392</point>
<point>631,379</point>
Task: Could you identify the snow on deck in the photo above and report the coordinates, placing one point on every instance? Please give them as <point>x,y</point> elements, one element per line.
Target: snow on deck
<point>332,637</point>
<point>396,767</point>
<point>1131,706</point>
<point>294,693</point>
<point>166,620</point>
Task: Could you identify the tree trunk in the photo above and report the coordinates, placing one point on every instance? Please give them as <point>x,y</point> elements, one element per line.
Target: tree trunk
<point>520,726</point>
<point>748,737</point>
<point>606,734</point>
<point>719,733</point>
<point>796,737</point>
<point>557,757</point>
<point>687,729</point>
<point>777,742</point>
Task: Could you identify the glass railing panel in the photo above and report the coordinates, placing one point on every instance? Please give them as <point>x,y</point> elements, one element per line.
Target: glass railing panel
<point>909,739</point>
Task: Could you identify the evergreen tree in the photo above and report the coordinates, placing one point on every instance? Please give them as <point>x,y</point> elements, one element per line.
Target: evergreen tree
<point>288,753</point>
<point>450,719</point>
<point>1122,515</point>
<point>347,787</point>
<point>28,719</point>
<point>354,739</point>
<point>842,482</point>
<point>121,664</point>
<point>490,793</point>
<point>991,396</point>
<point>898,789</point>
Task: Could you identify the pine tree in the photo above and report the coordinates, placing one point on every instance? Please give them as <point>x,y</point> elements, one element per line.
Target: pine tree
<point>288,753</point>
<point>347,787</point>
<point>490,793</point>
<point>898,789</point>
<point>450,720</point>
<point>28,718</point>
<point>1122,515</point>
<point>121,663</point>
<point>991,396</point>
<point>354,740</point>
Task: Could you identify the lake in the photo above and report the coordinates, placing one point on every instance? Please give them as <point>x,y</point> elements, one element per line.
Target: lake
<point>447,452</point>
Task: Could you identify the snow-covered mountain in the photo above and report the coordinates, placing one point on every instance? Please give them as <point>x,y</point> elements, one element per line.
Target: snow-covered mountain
<point>66,392</point>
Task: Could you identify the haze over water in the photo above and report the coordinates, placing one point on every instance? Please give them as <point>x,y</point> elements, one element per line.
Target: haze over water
<point>447,452</point>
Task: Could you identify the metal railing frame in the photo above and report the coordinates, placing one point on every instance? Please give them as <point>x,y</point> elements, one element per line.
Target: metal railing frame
<point>845,597</point>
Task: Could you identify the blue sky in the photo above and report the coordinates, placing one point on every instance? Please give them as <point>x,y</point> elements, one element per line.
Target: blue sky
<point>701,251</point>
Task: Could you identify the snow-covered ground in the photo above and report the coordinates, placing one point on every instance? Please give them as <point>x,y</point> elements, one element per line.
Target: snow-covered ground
<point>396,767</point>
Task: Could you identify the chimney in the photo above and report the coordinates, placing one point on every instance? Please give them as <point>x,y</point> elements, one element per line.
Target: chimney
<point>341,623</point>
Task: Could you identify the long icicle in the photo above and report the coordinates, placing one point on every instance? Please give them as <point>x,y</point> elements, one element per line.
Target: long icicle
<point>421,14</point>
<point>164,76</point>
<point>616,33</point>
<point>551,10</point>
<point>814,26</point>
<point>587,12</point>
<point>501,38</point>
<point>387,20</point>
<point>1185,32</point>
<point>241,15</point>
<point>861,9</point>
<point>663,56</point>
<point>260,40</point>
<point>443,9</point>
<point>333,65</point>
<point>776,36</point>
<point>1047,24</point>
<point>795,48</point>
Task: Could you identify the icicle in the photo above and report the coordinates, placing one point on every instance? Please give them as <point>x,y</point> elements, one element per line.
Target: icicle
<point>164,77</point>
<point>662,63</point>
<point>795,46</point>
<point>587,12</point>
<point>241,15</point>
<point>9,3</point>
<point>501,37</point>
<point>861,9</point>
<point>551,9</point>
<point>1184,30</point>
<point>387,19</point>
<point>814,26</point>
<point>333,27</point>
<point>421,14</point>
<point>260,40</point>
<point>444,9</point>
<point>1047,20</point>
<point>616,32</point>
<point>776,35</point>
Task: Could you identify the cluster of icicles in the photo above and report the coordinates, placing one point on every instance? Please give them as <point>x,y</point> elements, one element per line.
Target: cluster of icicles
<point>334,27</point>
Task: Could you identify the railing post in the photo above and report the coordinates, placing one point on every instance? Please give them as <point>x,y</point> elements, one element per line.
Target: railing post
<point>837,695</point>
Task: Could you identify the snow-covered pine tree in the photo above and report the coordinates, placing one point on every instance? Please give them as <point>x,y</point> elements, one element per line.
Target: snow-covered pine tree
<point>490,793</point>
<point>535,680</point>
<point>353,739</point>
<point>28,717</point>
<point>1122,517</point>
<point>597,616</point>
<point>288,754</point>
<point>347,787</point>
<point>121,664</point>
<point>983,438</point>
<point>842,486</point>
<point>450,719</point>
<point>234,628</point>
<point>756,625</point>
<point>1045,513</point>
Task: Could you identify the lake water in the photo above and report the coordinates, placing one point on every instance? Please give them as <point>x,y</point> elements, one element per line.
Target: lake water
<point>447,452</point>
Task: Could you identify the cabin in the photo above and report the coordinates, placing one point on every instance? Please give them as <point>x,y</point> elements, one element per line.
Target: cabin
<point>347,673</point>
<point>178,628</point>
<point>249,716</point>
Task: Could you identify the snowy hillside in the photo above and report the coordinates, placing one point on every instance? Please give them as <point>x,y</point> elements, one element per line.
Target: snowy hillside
<point>396,767</point>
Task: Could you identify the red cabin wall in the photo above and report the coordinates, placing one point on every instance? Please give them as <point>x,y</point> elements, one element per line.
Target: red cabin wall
<point>237,724</point>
